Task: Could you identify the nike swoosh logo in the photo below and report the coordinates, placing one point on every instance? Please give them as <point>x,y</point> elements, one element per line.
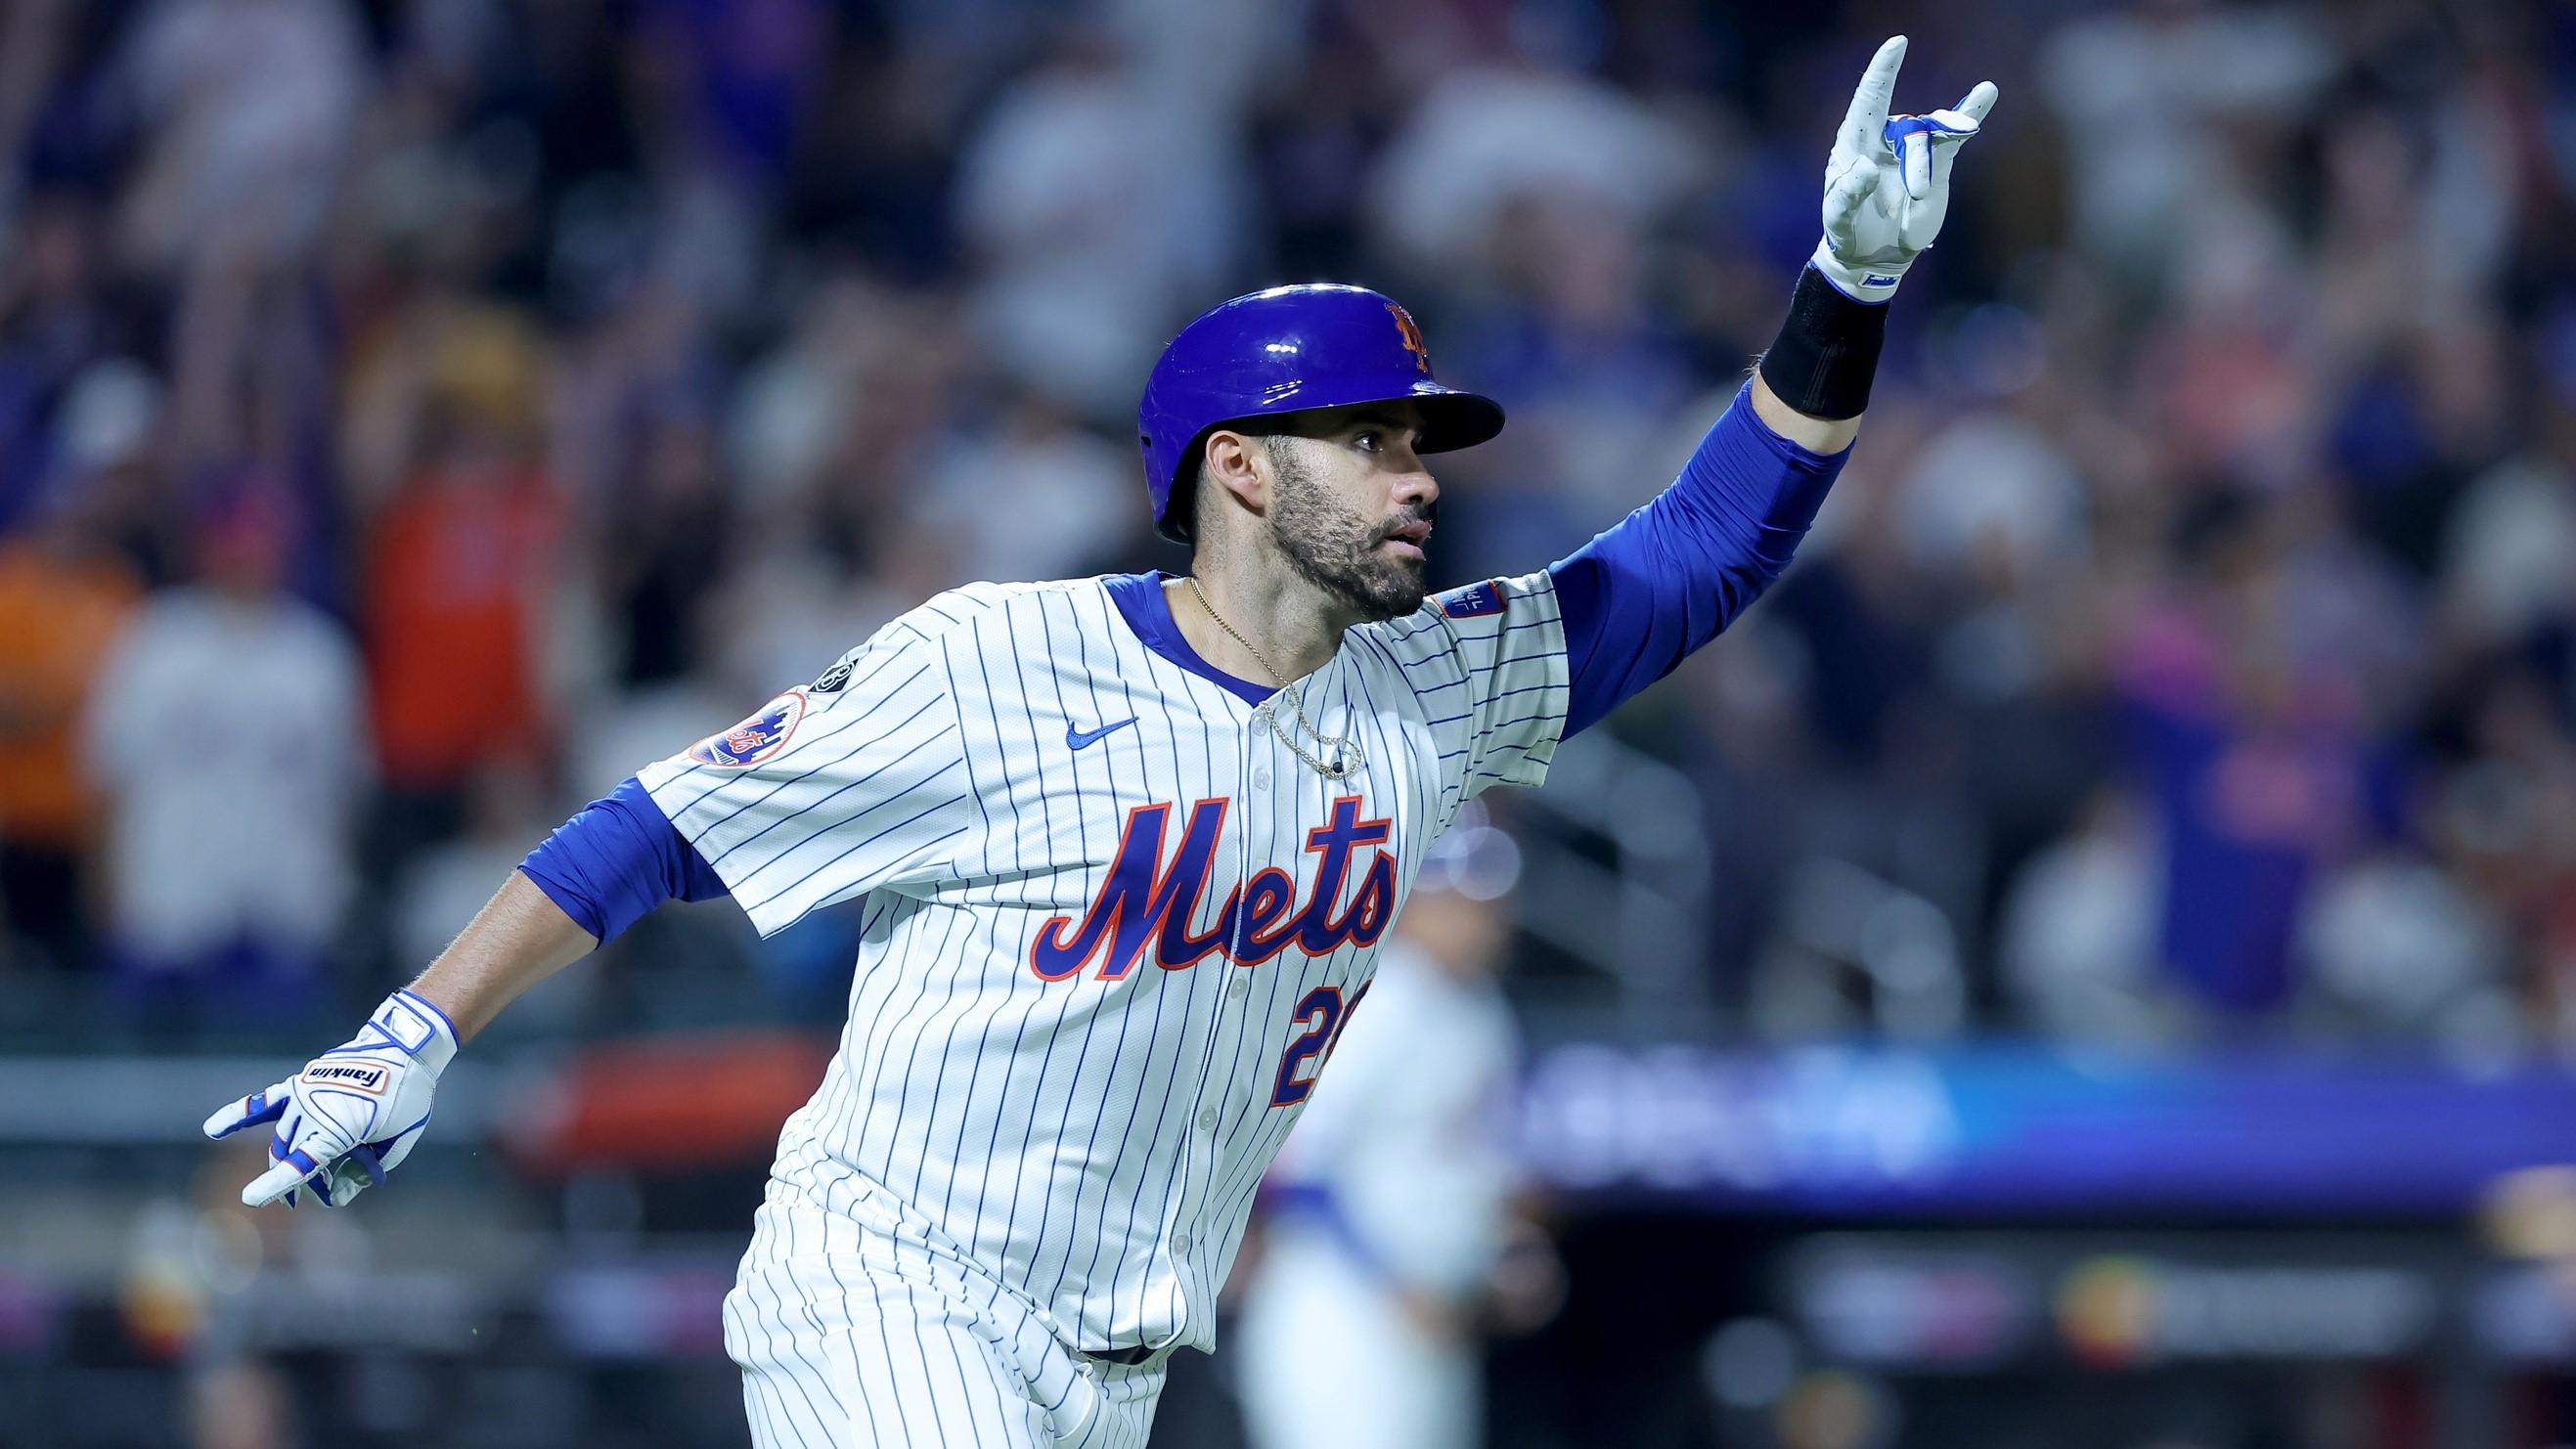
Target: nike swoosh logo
<point>1076,739</point>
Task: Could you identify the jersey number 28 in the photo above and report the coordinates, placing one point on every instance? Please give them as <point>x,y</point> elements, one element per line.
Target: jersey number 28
<point>1324,1013</point>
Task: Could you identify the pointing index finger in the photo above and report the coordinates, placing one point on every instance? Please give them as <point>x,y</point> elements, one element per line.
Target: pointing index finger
<point>1870,103</point>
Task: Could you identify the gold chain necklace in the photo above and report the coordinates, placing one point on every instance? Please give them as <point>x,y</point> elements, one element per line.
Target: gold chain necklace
<point>1347,757</point>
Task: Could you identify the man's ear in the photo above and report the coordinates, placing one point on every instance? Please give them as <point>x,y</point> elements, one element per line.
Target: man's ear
<point>1239,464</point>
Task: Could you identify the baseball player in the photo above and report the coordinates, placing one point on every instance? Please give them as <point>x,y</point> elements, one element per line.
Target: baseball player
<point>1387,1207</point>
<point>1129,845</point>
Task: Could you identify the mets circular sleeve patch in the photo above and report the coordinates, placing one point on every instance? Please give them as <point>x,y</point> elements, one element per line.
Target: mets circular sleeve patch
<point>756,739</point>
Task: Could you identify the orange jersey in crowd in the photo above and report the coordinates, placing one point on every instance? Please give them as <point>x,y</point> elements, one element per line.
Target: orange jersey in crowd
<point>58,615</point>
<point>454,590</point>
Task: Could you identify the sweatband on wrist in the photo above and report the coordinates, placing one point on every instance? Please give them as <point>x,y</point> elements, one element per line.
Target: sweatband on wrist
<point>1827,351</point>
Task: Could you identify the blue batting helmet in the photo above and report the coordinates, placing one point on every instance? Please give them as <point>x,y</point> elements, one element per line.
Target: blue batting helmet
<point>1288,350</point>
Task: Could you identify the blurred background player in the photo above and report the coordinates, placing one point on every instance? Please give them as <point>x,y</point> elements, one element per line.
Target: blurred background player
<point>1386,1212</point>
<point>228,734</point>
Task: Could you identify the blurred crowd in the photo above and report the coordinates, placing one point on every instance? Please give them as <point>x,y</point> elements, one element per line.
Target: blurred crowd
<point>416,414</point>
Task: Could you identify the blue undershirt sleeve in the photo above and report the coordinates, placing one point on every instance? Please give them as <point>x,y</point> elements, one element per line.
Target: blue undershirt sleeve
<point>1665,579</point>
<point>617,859</point>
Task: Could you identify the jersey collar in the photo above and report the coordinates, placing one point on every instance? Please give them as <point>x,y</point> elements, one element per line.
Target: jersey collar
<point>1139,598</point>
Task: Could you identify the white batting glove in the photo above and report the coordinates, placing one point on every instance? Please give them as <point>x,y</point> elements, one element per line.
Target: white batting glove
<point>353,1113</point>
<point>1887,185</point>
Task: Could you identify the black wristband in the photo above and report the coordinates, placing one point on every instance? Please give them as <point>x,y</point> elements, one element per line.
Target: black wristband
<point>1827,352</point>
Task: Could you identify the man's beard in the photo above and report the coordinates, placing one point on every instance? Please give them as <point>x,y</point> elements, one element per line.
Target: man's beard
<point>1337,551</point>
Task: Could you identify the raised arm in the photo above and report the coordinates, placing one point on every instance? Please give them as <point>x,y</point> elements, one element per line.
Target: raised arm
<point>1666,579</point>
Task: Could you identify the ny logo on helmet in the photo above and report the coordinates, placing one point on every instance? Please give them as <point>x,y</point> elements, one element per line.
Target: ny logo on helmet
<point>1412,338</point>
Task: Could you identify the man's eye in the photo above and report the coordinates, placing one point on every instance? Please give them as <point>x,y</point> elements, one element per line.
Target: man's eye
<point>1369,440</point>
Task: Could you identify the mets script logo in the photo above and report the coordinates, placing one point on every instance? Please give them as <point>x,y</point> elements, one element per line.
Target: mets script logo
<point>755,739</point>
<point>1147,899</point>
<point>359,1076</point>
<point>1412,338</point>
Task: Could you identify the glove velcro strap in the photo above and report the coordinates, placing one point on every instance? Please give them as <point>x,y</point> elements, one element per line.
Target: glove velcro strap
<point>411,1022</point>
<point>1826,355</point>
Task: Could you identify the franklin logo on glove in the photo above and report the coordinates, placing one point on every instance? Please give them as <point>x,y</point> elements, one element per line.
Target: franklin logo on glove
<point>363,1078</point>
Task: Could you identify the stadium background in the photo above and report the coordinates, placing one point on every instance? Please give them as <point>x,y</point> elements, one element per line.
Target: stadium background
<point>2091,960</point>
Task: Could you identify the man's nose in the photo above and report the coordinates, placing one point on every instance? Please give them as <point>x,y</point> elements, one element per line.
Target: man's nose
<point>1417,490</point>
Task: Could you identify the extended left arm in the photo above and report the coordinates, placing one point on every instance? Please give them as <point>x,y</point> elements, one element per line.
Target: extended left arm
<point>1667,578</point>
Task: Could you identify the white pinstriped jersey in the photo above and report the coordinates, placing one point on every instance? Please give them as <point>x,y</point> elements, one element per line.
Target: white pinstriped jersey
<point>1112,923</point>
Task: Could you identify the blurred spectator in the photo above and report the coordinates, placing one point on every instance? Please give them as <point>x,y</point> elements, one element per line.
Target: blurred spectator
<point>2195,67</point>
<point>1567,326</point>
<point>64,595</point>
<point>2224,472</point>
<point>2254,746</point>
<point>2077,945</point>
<point>227,734</point>
<point>2395,949</point>
<point>1992,492</point>
<point>56,319</point>
<point>2509,567</point>
<point>1029,496</point>
<point>662,546</point>
<point>241,99</point>
<point>2501,819</point>
<point>1488,138</point>
<point>458,573</point>
<point>1097,205</point>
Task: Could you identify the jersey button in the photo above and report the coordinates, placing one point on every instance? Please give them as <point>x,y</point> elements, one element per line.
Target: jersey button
<point>1180,1242</point>
<point>1239,985</point>
<point>1261,779</point>
<point>1207,1119</point>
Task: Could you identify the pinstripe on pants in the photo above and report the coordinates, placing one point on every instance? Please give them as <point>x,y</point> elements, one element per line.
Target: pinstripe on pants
<point>849,1337</point>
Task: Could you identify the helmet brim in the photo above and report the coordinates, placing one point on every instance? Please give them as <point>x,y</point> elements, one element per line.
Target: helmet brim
<point>1452,419</point>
